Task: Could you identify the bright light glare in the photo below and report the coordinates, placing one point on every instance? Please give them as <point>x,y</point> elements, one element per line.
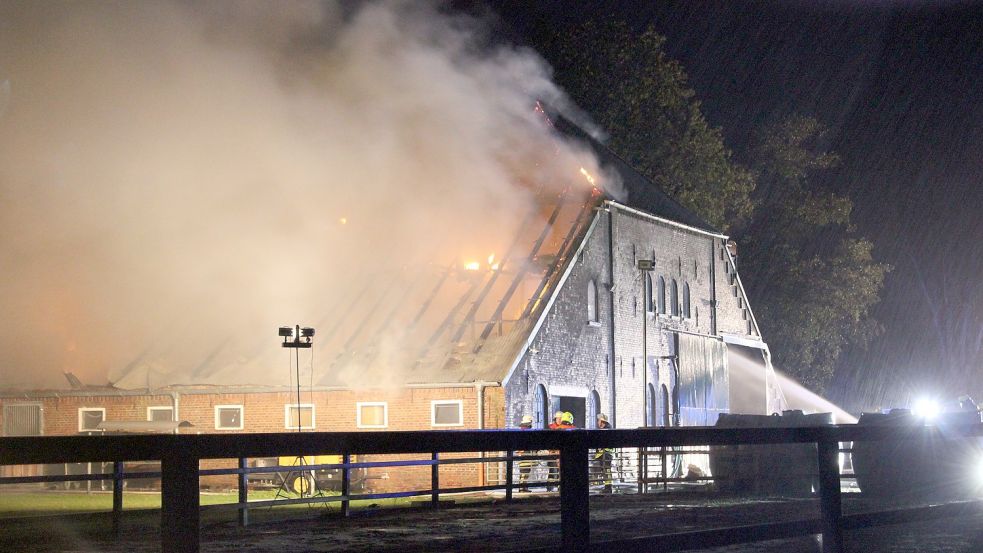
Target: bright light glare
<point>925,409</point>
<point>978,472</point>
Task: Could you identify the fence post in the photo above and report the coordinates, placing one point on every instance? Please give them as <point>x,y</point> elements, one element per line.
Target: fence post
<point>642,466</point>
<point>575,494</point>
<point>829,494</point>
<point>179,516</point>
<point>435,480</point>
<point>346,485</point>
<point>508,475</point>
<point>117,496</point>
<point>243,492</point>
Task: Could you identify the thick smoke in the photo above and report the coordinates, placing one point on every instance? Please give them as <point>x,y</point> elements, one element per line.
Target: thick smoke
<point>174,176</point>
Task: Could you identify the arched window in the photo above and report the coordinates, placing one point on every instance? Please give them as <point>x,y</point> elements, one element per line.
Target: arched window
<point>541,406</point>
<point>593,408</point>
<point>674,298</point>
<point>665,406</point>
<point>660,296</point>
<point>650,405</point>
<point>648,293</point>
<point>591,302</point>
<point>686,312</point>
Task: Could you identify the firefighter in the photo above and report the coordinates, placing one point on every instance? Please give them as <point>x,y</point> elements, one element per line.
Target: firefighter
<point>525,466</point>
<point>566,421</point>
<point>554,464</point>
<point>557,420</point>
<point>604,456</point>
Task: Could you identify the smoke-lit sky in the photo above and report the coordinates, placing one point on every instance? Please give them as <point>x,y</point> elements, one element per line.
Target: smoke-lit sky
<point>900,85</point>
<point>175,175</point>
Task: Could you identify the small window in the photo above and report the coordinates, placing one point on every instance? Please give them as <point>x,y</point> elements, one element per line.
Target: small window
<point>372,415</point>
<point>304,410</point>
<point>591,302</point>
<point>593,409</point>
<point>660,296</point>
<point>447,413</point>
<point>163,413</point>
<point>686,311</point>
<point>89,418</point>
<point>228,417</point>
<point>674,298</point>
<point>23,420</point>
<point>650,405</point>
<point>541,406</point>
<point>648,293</point>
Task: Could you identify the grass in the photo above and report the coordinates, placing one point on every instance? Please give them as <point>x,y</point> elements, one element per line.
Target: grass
<point>51,502</point>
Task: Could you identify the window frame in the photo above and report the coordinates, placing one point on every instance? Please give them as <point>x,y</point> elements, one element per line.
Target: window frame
<point>299,407</point>
<point>242,417</point>
<point>433,412</point>
<point>674,299</point>
<point>661,298</point>
<point>8,409</point>
<point>90,409</point>
<point>687,311</point>
<point>152,408</point>
<point>593,315</point>
<point>358,413</point>
<point>649,293</point>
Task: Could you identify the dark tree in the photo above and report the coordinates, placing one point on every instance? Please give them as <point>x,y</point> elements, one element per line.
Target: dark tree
<point>636,93</point>
<point>810,279</point>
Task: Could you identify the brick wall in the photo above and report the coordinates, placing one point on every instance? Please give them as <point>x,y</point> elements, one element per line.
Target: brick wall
<point>334,410</point>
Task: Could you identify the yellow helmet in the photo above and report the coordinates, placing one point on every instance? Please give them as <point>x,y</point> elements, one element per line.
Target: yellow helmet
<point>567,417</point>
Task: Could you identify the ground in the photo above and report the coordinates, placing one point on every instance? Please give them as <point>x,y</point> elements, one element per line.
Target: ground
<point>531,521</point>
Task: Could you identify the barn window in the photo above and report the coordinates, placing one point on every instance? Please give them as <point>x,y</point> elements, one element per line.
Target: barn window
<point>650,405</point>
<point>162,413</point>
<point>541,407</point>
<point>593,409</point>
<point>90,417</point>
<point>372,414</point>
<point>447,413</point>
<point>648,293</point>
<point>686,311</point>
<point>660,296</point>
<point>674,298</point>
<point>228,417</point>
<point>665,406</point>
<point>291,412</point>
<point>23,420</point>
<point>591,302</point>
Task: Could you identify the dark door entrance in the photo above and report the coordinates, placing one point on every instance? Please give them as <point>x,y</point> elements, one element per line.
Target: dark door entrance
<point>576,405</point>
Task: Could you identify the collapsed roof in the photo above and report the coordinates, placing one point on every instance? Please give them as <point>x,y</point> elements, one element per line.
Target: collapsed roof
<point>432,321</point>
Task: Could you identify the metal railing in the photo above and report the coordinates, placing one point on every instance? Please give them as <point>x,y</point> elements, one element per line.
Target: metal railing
<point>180,456</point>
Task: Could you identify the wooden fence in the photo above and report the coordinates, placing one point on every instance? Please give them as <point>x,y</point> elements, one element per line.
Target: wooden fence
<point>180,456</point>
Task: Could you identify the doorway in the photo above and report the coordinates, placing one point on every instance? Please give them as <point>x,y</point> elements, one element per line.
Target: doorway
<point>576,405</point>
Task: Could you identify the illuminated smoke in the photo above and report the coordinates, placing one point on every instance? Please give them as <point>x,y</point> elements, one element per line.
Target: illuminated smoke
<point>178,179</point>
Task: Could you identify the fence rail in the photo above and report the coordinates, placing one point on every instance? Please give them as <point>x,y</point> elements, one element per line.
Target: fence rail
<point>180,455</point>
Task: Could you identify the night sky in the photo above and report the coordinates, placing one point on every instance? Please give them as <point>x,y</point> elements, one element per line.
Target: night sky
<point>900,85</point>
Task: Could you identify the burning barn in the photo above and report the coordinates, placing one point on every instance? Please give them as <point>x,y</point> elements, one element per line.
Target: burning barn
<point>609,297</point>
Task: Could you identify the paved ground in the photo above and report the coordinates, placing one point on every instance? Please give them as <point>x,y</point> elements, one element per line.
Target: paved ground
<point>529,522</point>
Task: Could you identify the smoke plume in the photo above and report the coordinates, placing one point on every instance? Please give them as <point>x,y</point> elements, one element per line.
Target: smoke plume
<point>177,178</point>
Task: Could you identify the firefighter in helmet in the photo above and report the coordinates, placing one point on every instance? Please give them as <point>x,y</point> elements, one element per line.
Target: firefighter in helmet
<point>603,457</point>
<point>554,464</point>
<point>525,466</point>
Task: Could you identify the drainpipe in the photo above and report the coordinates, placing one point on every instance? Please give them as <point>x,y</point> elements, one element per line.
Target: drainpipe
<point>713,286</point>
<point>614,395</point>
<point>175,404</point>
<point>479,393</point>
